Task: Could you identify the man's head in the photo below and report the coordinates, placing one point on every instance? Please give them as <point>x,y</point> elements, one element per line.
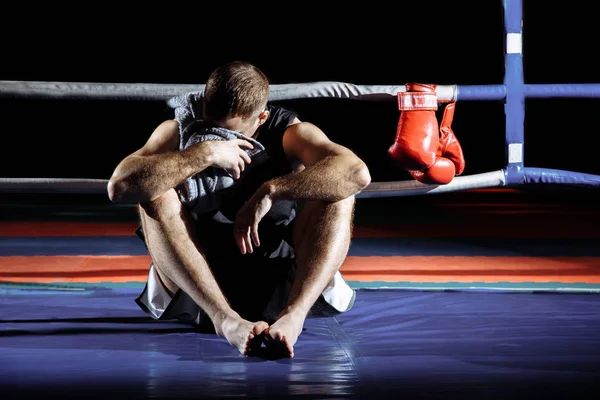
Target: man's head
<point>235,97</point>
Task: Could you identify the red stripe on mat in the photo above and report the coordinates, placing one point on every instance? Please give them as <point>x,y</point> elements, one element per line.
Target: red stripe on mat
<point>478,227</point>
<point>44,269</point>
<point>19,229</point>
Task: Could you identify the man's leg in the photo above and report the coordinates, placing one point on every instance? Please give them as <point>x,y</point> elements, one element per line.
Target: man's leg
<point>322,234</point>
<point>180,262</point>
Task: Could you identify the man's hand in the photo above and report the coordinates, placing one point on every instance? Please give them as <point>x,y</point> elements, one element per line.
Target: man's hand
<point>228,154</point>
<point>245,228</point>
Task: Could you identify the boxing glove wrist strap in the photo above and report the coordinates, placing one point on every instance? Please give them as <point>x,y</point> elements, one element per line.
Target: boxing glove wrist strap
<point>409,101</point>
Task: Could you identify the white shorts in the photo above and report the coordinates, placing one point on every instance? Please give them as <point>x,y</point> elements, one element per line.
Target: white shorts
<point>338,297</point>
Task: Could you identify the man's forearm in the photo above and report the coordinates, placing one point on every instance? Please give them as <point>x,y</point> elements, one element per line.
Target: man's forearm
<point>333,178</point>
<point>140,179</point>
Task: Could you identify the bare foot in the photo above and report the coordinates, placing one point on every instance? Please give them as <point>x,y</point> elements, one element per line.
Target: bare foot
<point>241,334</point>
<point>284,332</point>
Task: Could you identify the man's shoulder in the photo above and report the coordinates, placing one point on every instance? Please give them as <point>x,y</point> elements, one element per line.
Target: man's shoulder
<point>167,127</point>
<point>279,118</point>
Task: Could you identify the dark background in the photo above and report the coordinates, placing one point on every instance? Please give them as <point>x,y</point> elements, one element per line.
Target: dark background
<point>443,42</point>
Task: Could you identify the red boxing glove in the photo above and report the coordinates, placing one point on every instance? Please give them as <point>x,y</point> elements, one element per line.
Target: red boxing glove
<point>450,160</point>
<point>417,134</point>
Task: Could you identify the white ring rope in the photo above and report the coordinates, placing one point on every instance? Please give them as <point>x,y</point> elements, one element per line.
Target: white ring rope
<point>375,189</point>
<point>149,91</point>
<point>53,185</point>
<point>413,188</point>
<point>157,91</point>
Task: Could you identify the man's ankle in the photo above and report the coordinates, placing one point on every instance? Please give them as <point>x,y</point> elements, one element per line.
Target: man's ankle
<point>221,317</point>
<point>295,309</point>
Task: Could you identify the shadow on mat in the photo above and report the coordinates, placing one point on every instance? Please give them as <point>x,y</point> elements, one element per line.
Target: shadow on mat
<point>113,320</point>
<point>81,331</point>
<point>271,352</point>
<point>46,326</point>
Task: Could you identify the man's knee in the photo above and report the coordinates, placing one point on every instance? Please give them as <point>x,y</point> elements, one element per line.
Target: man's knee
<point>165,205</point>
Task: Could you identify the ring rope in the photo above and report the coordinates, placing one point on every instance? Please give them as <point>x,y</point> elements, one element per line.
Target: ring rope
<point>375,189</point>
<point>156,91</point>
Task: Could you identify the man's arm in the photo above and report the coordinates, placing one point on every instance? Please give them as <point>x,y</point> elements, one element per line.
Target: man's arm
<point>152,170</point>
<point>159,166</point>
<point>328,172</point>
<point>331,172</point>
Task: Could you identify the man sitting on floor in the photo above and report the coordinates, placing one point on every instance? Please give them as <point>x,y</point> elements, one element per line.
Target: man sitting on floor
<point>246,212</point>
